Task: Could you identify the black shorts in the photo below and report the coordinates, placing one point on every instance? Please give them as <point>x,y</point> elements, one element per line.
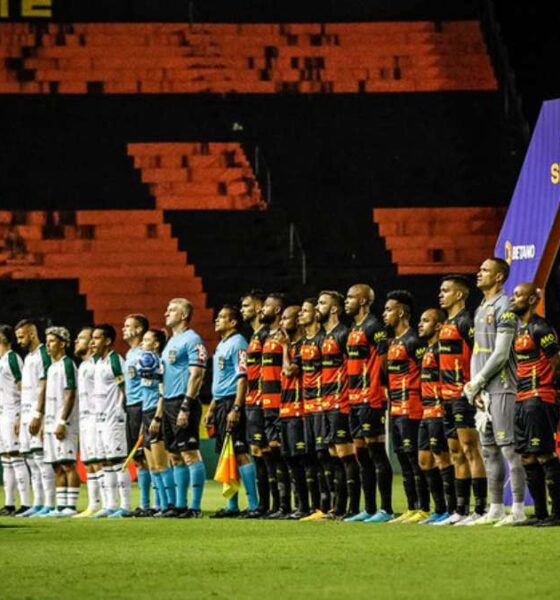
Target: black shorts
<point>463,413</point>
<point>293,436</point>
<point>176,438</point>
<point>148,439</point>
<point>431,435</point>
<point>449,421</point>
<point>536,423</point>
<point>255,426</point>
<point>238,434</point>
<point>272,428</point>
<point>133,428</point>
<point>366,422</point>
<point>335,428</point>
<point>313,428</point>
<point>404,434</point>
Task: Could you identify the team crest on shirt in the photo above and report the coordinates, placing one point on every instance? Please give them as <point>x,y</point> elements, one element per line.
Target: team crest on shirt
<point>172,356</point>
<point>131,372</point>
<point>221,363</point>
<point>490,318</point>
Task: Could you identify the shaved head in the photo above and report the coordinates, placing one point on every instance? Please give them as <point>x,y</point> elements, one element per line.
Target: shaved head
<point>525,299</point>
<point>364,291</point>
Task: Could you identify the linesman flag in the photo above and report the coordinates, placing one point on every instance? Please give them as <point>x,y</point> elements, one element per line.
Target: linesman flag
<point>227,471</point>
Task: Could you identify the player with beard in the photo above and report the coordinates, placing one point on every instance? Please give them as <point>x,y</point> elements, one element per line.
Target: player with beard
<point>271,386</point>
<point>33,382</point>
<point>291,408</point>
<point>432,444</point>
<point>536,409</point>
<point>251,308</point>
<point>367,359</point>
<point>403,364</point>
<point>334,399</point>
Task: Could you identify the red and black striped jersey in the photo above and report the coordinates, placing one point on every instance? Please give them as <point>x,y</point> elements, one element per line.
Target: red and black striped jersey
<point>334,371</point>
<point>535,344</point>
<point>291,401</point>
<point>430,385</point>
<point>271,373</point>
<point>403,365</point>
<point>367,343</point>
<point>455,348</point>
<point>254,364</point>
<point>309,362</point>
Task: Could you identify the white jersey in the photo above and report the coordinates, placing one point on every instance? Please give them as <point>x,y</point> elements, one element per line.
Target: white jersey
<point>108,382</point>
<point>35,366</point>
<point>86,372</point>
<point>61,376</point>
<point>10,375</point>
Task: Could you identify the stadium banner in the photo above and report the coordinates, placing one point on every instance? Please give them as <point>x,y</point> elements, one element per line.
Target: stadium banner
<point>529,236</point>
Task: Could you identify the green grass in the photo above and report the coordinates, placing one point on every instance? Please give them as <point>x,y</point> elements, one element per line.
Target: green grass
<point>154,559</point>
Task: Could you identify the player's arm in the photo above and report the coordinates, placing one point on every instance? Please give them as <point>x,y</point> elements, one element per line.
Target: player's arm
<point>196,378</point>
<point>15,367</point>
<point>290,366</point>
<point>240,364</point>
<point>209,416</point>
<point>155,425</point>
<point>235,413</point>
<point>69,399</point>
<point>37,420</point>
<point>507,326</point>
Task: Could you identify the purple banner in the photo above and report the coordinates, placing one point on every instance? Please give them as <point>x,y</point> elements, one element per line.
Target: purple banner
<point>535,201</point>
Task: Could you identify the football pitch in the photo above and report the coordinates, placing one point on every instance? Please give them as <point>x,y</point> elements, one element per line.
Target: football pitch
<point>157,559</point>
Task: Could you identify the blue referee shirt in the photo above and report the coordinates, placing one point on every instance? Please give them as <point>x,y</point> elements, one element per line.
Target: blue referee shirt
<point>132,385</point>
<point>150,389</point>
<point>183,350</point>
<point>230,363</point>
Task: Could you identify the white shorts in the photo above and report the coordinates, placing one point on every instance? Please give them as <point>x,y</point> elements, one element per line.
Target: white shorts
<point>9,441</point>
<point>27,442</point>
<point>61,451</point>
<point>88,434</point>
<point>110,441</point>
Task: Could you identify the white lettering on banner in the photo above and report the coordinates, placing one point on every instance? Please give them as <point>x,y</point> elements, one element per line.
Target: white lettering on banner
<point>519,252</point>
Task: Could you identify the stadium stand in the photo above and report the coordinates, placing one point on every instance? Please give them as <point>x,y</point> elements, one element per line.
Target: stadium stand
<point>133,58</point>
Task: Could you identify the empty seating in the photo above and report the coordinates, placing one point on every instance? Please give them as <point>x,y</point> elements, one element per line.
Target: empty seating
<point>180,58</point>
<point>198,176</point>
<point>425,241</point>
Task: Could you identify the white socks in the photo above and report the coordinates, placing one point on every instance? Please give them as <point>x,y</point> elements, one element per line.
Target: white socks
<point>124,483</point>
<point>9,482</point>
<point>94,489</point>
<point>110,486</point>
<point>22,480</point>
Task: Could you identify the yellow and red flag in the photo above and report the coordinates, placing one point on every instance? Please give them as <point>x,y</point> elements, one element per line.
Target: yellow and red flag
<point>227,471</point>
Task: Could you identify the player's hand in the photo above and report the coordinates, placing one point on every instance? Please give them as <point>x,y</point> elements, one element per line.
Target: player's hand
<point>479,402</point>
<point>183,419</point>
<point>154,427</point>
<point>232,419</point>
<point>60,432</point>
<point>209,418</point>
<point>35,426</point>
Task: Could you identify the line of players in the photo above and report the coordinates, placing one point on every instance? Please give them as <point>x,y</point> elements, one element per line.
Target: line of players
<point>307,399</point>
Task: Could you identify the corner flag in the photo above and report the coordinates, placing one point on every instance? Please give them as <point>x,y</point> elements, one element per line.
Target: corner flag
<point>227,471</point>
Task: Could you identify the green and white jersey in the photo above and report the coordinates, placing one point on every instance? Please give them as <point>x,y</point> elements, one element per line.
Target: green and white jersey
<point>35,367</point>
<point>10,375</point>
<point>491,317</point>
<point>86,372</point>
<point>61,376</point>
<point>108,387</point>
